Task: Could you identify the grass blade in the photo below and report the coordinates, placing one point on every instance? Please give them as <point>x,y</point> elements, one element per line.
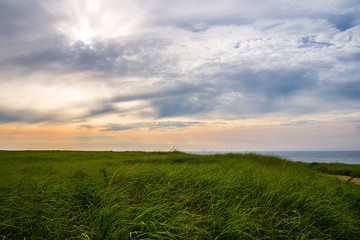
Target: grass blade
<point>129,173</point>
<point>112,178</point>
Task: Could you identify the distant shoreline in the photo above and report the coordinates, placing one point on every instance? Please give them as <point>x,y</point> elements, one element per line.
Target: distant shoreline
<point>343,156</point>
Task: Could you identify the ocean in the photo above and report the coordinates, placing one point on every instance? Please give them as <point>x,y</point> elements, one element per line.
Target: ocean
<point>349,157</point>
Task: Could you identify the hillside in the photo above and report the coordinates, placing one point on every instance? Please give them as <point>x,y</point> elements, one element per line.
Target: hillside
<point>171,195</point>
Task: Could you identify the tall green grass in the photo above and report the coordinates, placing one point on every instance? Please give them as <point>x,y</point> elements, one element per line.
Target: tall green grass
<point>171,195</point>
<point>352,170</point>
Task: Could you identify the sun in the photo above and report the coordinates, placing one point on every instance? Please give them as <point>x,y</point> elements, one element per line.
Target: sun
<point>86,22</point>
<point>84,34</point>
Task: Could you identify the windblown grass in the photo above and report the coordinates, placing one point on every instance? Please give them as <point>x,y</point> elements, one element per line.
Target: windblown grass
<point>112,178</point>
<point>352,170</point>
<point>61,195</point>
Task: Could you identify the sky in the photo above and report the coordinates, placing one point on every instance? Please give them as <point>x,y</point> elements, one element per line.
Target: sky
<point>152,75</point>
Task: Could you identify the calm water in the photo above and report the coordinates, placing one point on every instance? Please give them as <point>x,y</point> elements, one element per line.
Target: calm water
<point>350,157</point>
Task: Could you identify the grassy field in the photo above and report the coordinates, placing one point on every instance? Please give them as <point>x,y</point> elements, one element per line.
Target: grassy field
<point>172,195</point>
<point>352,170</point>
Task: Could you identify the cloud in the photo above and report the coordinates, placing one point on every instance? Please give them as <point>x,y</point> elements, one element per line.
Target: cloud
<point>18,18</point>
<point>8,117</point>
<point>91,138</point>
<point>242,94</point>
<point>200,59</point>
<point>86,126</point>
<point>28,116</point>
<point>345,21</point>
<point>188,13</point>
<point>152,125</point>
<point>298,123</point>
<point>274,84</point>
<point>348,90</point>
<point>311,42</point>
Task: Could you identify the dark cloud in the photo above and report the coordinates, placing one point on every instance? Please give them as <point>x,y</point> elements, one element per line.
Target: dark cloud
<point>86,126</point>
<point>109,58</point>
<point>186,105</point>
<point>273,83</point>
<point>152,125</point>
<point>27,116</point>
<point>8,117</point>
<point>69,58</point>
<point>104,107</point>
<point>260,91</point>
<point>43,55</point>
<point>345,21</point>
<point>348,90</point>
<point>22,18</point>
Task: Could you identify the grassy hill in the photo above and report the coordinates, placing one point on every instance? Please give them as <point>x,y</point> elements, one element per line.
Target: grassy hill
<point>172,195</point>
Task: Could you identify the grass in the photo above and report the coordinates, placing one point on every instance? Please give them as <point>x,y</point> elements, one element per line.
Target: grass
<point>352,170</point>
<point>172,195</point>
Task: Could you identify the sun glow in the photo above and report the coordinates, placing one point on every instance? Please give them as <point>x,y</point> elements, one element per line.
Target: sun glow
<point>96,20</point>
<point>84,34</point>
